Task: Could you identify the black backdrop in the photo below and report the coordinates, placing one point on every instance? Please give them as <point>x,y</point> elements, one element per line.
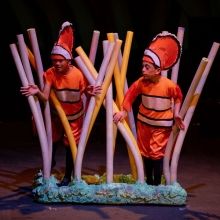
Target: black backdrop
<point>200,18</point>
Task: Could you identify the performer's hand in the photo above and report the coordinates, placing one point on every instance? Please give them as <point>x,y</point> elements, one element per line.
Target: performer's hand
<point>94,90</point>
<point>119,116</point>
<point>179,122</point>
<point>29,90</point>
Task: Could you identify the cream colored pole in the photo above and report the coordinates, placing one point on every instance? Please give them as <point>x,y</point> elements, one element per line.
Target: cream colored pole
<point>39,69</point>
<point>175,69</point>
<point>110,145</point>
<point>36,51</point>
<point>114,37</point>
<point>193,86</point>
<point>164,72</point>
<point>92,56</point>
<point>189,114</point>
<point>30,78</point>
<point>107,81</point>
<point>40,129</point>
<point>94,46</point>
<point>185,106</point>
<point>109,122</point>
<point>123,127</point>
<point>27,69</point>
<point>24,58</point>
<point>120,80</point>
<point>88,118</point>
<point>109,135</point>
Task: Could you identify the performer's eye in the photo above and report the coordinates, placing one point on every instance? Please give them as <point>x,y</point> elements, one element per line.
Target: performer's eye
<point>57,60</point>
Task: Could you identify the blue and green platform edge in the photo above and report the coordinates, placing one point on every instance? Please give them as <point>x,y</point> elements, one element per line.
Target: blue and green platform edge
<point>95,190</point>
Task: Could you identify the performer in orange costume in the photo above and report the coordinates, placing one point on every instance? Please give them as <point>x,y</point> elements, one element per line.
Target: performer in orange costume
<point>161,100</point>
<point>69,84</point>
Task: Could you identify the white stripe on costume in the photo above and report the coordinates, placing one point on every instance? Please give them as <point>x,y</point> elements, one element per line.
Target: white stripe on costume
<point>156,103</point>
<point>159,123</point>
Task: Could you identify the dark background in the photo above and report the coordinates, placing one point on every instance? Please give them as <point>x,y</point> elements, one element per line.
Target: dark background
<point>200,18</point>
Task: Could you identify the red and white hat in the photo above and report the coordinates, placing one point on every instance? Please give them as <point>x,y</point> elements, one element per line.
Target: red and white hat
<point>64,45</point>
<point>164,51</point>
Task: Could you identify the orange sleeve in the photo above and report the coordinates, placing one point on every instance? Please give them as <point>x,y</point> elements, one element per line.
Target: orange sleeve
<point>177,94</point>
<point>83,84</point>
<point>131,95</point>
<point>48,76</point>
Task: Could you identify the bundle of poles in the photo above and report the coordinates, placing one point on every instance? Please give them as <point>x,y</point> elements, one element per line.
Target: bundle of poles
<point>114,65</point>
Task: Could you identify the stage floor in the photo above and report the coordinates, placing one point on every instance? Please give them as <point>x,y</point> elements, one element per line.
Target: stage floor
<point>20,159</point>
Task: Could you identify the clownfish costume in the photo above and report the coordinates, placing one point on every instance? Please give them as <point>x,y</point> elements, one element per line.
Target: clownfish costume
<point>158,100</point>
<point>68,86</point>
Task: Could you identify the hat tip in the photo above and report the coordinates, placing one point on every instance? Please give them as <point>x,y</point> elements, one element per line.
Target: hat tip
<point>66,24</point>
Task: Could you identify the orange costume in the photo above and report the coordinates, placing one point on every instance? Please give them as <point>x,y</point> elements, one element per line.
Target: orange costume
<point>68,89</point>
<point>160,99</point>
<point>155,116</point>
<point>69,84</point>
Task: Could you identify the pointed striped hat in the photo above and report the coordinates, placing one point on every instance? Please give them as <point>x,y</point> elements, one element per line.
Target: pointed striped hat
<point>64,45</point>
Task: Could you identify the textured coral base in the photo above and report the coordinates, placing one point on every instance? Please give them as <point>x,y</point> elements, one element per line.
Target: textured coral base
<point>47,191</point>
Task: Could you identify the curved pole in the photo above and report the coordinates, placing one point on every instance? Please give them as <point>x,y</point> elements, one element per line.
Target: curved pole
<point>109,122</point>
<point>119,77</point>
<point>180,139</point>
<point>88,118</point>
<point>65,124</point>
<point>39,69</point>
<point>184,107</point>
<point>40,128</point>
<point>132,143</point>
<point>27,69</point>
<point>127,134</point>
<point>178,145</point>
<point>123,128</point>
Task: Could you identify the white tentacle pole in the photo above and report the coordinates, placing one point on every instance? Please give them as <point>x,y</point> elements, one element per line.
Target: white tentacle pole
<point>82,60</point>
<point>40,70</point>
<point>40,129</point>
<point>175,69</point>
<point>94,46</point>
<point>198,91</point>
<point>27,69</point>
<point>85,129</point>
<point>183,110</point>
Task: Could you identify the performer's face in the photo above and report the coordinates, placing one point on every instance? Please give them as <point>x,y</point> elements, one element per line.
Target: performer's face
<point>60,64</point>
<point>150,71</point>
